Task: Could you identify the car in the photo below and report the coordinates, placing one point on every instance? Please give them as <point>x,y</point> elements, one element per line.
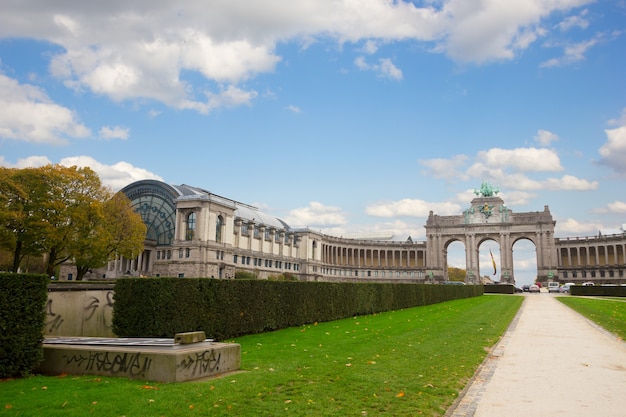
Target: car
<point>534,288</point>
<point>525,288</point>
<point>565,288</point>
<point>518,289</point>
<point>553,287</point>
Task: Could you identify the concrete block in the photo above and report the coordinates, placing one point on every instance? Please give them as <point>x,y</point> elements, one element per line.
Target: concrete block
<point>130,358</point>
<point>189,337</point>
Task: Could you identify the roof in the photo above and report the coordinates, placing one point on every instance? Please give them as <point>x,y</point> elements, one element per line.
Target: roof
<point>181,192</point>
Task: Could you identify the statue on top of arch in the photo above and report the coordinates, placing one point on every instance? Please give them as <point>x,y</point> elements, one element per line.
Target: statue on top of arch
<point>487,190</point>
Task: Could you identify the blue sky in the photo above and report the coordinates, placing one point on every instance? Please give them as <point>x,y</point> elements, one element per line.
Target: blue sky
<point>352,117</point>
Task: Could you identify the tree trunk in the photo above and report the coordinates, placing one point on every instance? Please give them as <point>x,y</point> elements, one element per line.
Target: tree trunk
<point>16,256</point>
<point>81,271</point>
<point>52,257</point>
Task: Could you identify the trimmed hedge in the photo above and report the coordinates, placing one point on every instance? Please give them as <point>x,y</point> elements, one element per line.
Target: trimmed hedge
<point>162,307</point>
<point>598,290</point>
<point>22,318</point>
<point>499,288</point>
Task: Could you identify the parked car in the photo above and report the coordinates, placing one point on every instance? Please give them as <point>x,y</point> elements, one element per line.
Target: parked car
<point>553,287</point>
<point>525,288</point>
<point>534,288</point>
<point>518,289</point>
<point>565,288</point>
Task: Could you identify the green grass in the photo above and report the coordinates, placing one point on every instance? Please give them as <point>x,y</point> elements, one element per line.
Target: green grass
<point>610,313</point>
<point>403,363</point>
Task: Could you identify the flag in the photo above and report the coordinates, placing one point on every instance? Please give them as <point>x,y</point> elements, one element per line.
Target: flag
<point>493,261</point>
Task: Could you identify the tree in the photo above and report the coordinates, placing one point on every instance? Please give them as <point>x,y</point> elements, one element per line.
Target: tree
<point>22,192</point>
<point>72,194</point>
<point>108,229</point>
<point>456,274</point>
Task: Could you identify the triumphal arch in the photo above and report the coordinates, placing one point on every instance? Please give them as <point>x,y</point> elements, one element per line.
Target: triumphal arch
<point>488,218</point>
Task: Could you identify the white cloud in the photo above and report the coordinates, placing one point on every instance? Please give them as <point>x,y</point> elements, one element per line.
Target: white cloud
<point>115,132</point>
<point>446,168</point>
<point>370,47</point>
<point>479,31</point>
<point>545,137</point>
<point>521,159</point>
<point>29,115</point>
<point>144,50</point>
<point>574,22</point>
<point>294,109</point>
<point>616,207</point>
<point>230,97</point>
<point>621,121</point>
<point>572,53</point>
<point>411,208</point>
<point>569,183</point>
<point>572,227</point>
<point>613,152</point>
<point>385,68</point>
<point>316,215</point>
<point>28,162</point>
<point>116,176</point>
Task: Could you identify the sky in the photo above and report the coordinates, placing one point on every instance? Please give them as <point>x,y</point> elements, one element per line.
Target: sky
<point>352,117</point>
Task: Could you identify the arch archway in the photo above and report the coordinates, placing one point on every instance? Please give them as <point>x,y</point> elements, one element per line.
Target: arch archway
<point>488,218</point>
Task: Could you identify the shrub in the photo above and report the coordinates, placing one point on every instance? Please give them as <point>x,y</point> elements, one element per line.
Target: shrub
<point>245,275</point>
<point>22,319</point>
<point>162,307</point>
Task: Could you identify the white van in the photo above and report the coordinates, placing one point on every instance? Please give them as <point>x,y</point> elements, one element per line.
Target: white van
<point>553,287</point>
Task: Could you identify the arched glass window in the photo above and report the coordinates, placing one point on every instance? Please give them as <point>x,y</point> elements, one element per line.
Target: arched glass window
<point>218,229</point>
<point>191,226</point>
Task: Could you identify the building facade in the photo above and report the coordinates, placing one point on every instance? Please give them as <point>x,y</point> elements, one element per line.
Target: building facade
<point>195,233</point>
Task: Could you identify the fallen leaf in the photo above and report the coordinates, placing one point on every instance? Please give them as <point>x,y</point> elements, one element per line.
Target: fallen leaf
<point>400,394</point>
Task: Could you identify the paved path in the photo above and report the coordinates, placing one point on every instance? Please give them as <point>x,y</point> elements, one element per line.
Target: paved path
<point>551,362</point>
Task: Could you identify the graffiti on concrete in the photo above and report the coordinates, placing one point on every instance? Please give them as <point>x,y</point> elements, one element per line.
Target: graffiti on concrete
<point>201,363</point>
<point>113,363</point>
<point>53,321</point>
<point>93,304</point>
<point>65,316</point>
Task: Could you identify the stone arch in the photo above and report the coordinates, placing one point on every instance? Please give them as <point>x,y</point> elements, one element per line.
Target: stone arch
<point>520,241</point>
<point>450,243</point>
<point>488,218</point>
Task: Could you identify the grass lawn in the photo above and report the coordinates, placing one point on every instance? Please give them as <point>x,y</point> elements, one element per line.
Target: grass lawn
<point>404,363</point>
<point>610,313</point>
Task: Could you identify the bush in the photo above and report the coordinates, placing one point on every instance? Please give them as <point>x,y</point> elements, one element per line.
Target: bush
<point>22,318</point>
<point>598,290</point>
<point>245,275</point>
<point>499,288</point>
<point>162,307</point>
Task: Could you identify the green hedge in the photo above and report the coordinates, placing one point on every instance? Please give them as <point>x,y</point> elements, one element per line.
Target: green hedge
<point>499,289</point>
<point>22,318</point>
<point>598,290</point>
<point>162,307</point>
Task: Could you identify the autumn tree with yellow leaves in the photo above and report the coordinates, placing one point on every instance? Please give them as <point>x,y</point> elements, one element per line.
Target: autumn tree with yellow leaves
<point>65,214</point>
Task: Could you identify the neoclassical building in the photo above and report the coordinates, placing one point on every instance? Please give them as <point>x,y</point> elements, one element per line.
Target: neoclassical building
<point>195,233</point>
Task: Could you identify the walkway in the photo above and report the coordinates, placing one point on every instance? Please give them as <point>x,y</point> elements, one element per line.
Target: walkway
<point>551,362</point>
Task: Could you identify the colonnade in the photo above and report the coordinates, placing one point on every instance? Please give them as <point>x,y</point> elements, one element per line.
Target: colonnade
<point>360,257</point>
<point>601,257</point>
